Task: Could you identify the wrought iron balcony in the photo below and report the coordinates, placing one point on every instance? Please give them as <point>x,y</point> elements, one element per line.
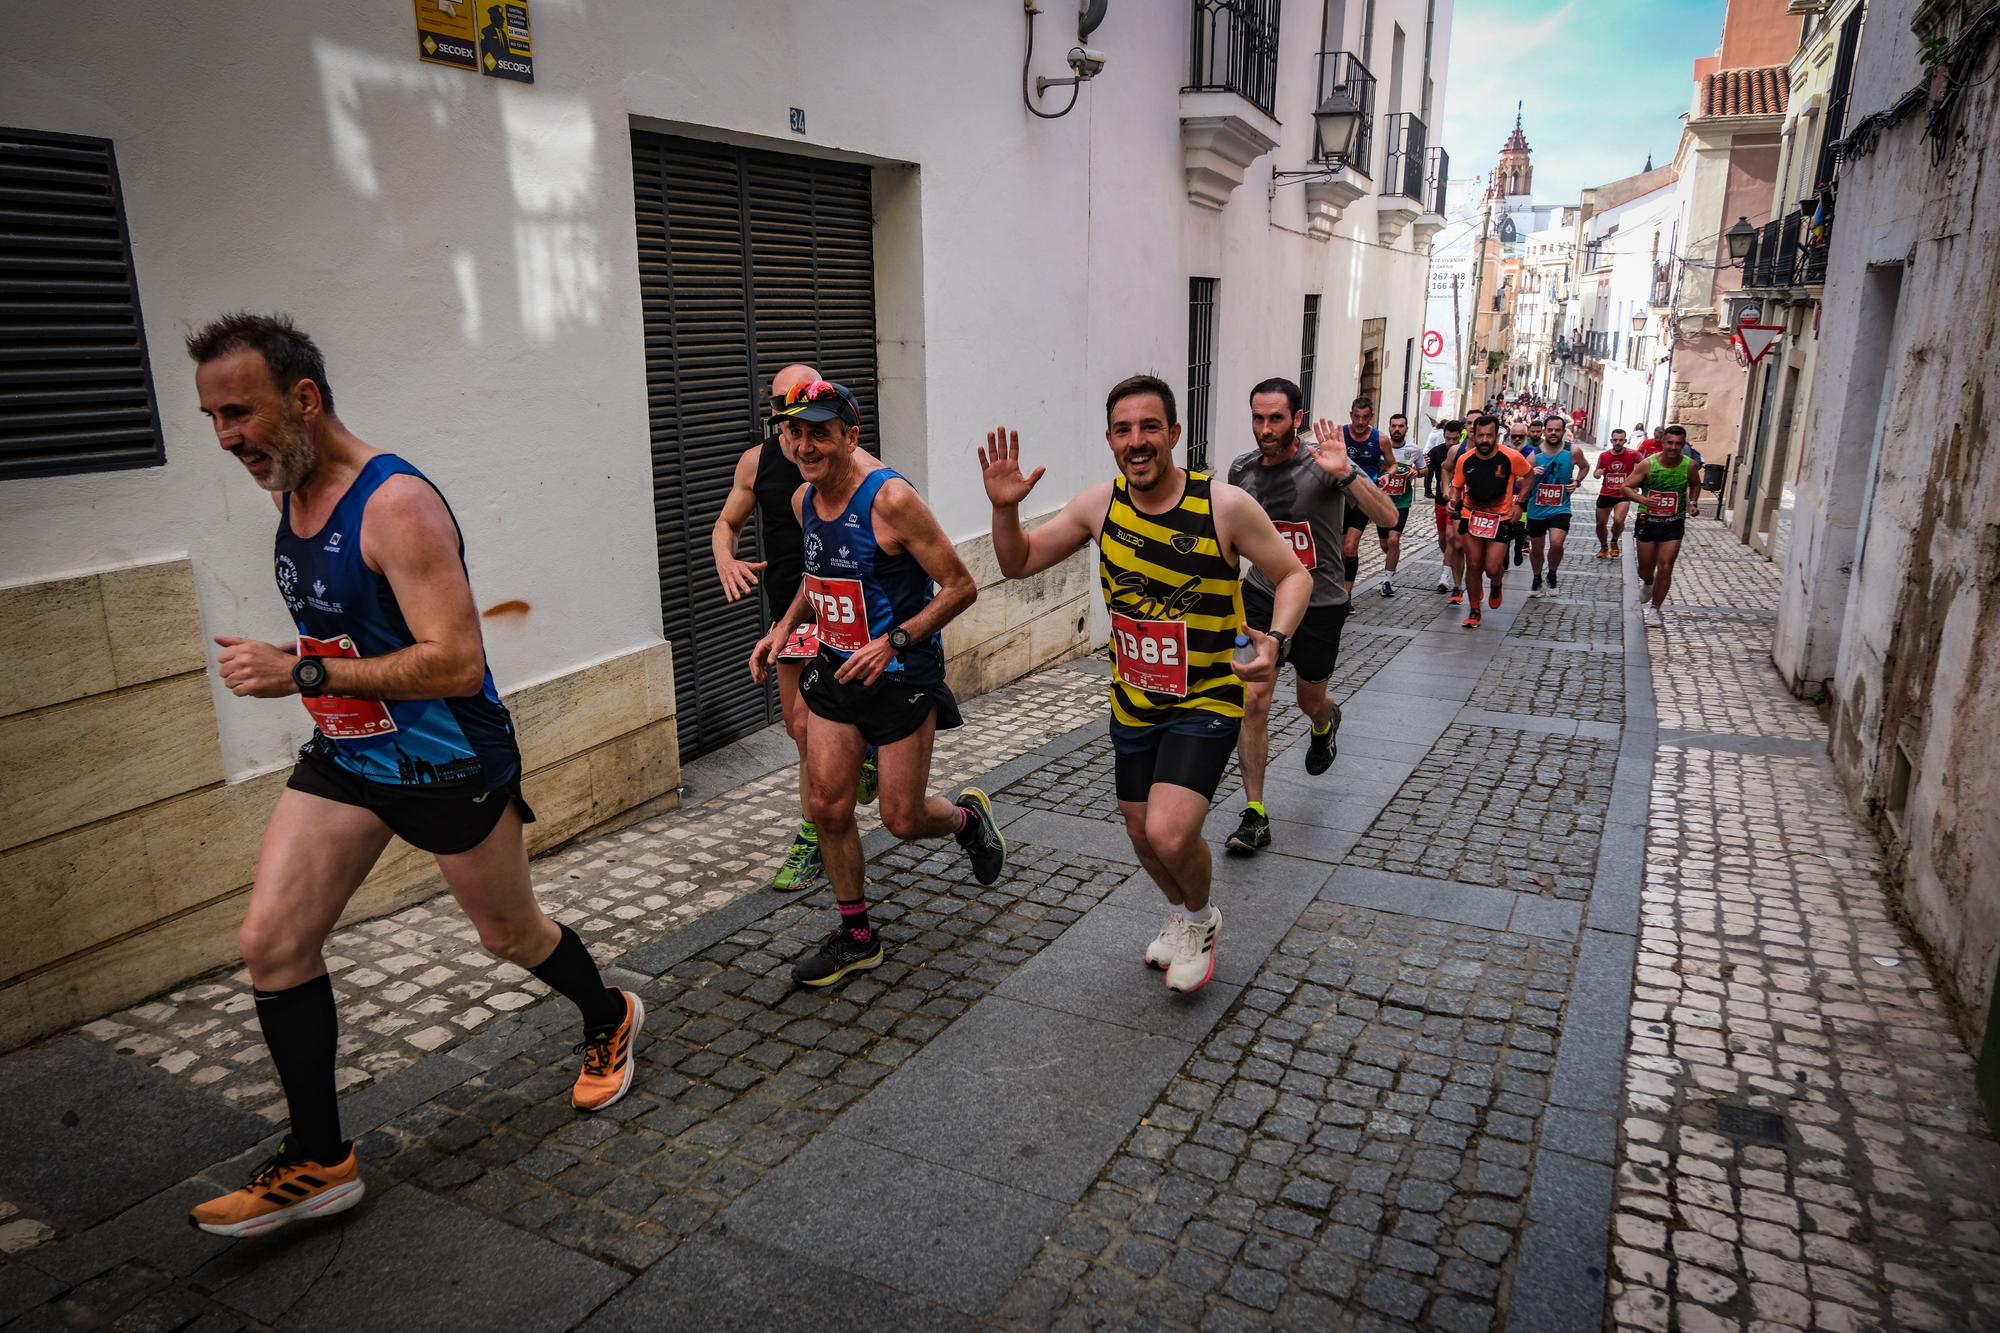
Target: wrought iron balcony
<point>1340,72</point>
<point>1235,50</point>
<point>1437,170</point>
<point>1761,269</point>
<point>1784,271</point>
<point>1403,167</point>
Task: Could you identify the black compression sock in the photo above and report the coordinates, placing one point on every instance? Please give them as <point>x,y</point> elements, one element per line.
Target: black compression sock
<point>302,1034</point>
<point>569,970</point>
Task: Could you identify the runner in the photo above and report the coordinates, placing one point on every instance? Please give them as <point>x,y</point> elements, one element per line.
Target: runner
<point>883,580</point>
<point>1613,466</point>
<point>410,739</point>
<point>1486,486</point>
<point>1435,466</point>
<point>1398,476</point>
<point>1524,437</point>
<point>1556,467</point>
<point>766,479</point>
<point>1304,492</point>
<point>1169,546</point>
<point>1668,490</point>
<point>1364,448</point>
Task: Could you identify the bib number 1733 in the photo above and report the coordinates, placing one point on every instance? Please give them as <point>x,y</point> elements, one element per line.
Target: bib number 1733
<point>841,611</point>
<point>1152,654</point>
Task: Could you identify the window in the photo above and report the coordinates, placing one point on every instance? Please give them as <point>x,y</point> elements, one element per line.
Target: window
<point>1309,353</point>
<point>1374,333</point>
<point>76,390</point>
<point>1201,368</point>
<point>1235,49</point>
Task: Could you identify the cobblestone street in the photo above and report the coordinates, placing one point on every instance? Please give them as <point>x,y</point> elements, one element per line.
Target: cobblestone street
<point>1569,998</point>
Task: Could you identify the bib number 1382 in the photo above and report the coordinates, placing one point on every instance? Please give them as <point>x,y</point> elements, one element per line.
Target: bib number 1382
<point>1152,654</point>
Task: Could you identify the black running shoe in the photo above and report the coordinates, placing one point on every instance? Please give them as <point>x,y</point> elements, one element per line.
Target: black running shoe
<point>1520,552</point>
<point>837,956</point>
<point>1320,750</point>
<point>981,836</point>
<point>1252,834</point>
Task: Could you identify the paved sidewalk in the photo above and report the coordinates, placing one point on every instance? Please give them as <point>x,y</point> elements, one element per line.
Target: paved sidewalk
<point>1405,1101</point>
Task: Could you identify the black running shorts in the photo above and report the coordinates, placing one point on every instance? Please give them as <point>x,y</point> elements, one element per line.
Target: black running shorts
<point>1660,530</point>
<point>1611,501</point>
<point>1402,521</point>
<point>443,821</point>
<point>885,712</point>
<point>1354,520</point>
<point>1191,751</point>
<point>1316,645</point>
<point>1539,526</point>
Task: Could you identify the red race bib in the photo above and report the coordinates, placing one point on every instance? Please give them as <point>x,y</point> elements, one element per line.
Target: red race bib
<point>343,719</point>
<point>1152,654</point>
<point>1396,483</point>
<point>1479,523</point>
<point>1549,494</point>
<point>1663,504</point>
<point>843,614</point>
<point>1300,536</point>
<point>802,645</point>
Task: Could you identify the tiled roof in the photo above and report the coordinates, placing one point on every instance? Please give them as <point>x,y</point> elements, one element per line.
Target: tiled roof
<point>1746,92</point>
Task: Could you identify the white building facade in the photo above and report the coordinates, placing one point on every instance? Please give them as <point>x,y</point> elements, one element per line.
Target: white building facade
<point>1625,249</point>
<point>563,298</point>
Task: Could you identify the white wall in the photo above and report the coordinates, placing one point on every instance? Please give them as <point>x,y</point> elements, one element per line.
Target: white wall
<point>462,248</point>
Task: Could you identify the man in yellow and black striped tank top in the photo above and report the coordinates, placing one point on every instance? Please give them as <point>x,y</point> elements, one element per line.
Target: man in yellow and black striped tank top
<point>1169,547</point>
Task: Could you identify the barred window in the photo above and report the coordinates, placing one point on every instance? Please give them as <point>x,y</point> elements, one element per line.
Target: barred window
<point>1201,369</point>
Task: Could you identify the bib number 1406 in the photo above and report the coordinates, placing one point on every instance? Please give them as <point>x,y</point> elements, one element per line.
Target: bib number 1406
<point>1152,654</point>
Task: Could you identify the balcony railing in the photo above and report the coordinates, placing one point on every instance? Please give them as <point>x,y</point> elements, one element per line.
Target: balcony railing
<point>1812,254</point>
<point>1662,284</point>
<point>1340,72</point>
<point>1235,50</point>
<point>1437,170</point>
<point>1761,269</point>
<point>1785,272</point>
<point>1403,168</point>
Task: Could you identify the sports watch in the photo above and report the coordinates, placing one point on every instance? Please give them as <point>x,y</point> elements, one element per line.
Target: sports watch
<point>309,674</point>
<point>899,639</point>
<point>1284,645</point>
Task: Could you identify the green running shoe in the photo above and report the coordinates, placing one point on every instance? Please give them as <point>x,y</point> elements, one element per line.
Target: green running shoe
<point>801,868</point>
<point>864,790</point>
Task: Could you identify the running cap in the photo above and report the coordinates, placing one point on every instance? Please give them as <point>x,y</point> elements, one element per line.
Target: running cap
<point>819,400</point>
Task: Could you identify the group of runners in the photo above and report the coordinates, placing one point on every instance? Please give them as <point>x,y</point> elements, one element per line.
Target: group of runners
<point>1211,585</point>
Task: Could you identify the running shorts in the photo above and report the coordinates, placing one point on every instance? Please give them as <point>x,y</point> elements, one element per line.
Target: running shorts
<point>1402,521</point>
<point>1354,520</point>
<point>885,712</point>
<point>1316,645</point>
<point>1538,526</point>
<point>1660,530</point>
<point>1505,532</point>
<point>1191,750</point>
<point>1611,501</point>
<point>443,820</point>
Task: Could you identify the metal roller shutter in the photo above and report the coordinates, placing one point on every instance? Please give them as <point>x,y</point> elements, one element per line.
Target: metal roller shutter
<point>748,261</point>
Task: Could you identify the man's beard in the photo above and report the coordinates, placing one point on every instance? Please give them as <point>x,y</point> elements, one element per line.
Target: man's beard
<point>293,457</point>
<point>1282,445</point>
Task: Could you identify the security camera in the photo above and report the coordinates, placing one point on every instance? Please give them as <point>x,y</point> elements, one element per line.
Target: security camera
<point>1087,61</point>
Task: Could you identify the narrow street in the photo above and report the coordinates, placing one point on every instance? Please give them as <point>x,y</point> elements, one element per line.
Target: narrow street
<point>1568,998</point>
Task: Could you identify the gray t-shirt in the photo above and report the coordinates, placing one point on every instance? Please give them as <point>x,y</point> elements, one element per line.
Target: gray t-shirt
<point>1310,510</point>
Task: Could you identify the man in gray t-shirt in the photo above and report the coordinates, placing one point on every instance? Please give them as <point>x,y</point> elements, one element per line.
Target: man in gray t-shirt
<point>1306,493</point>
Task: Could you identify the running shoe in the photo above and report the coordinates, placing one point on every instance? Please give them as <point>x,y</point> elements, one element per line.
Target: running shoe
<point>1493,600</point>
<point>1443,586</point>
<point>866,787</point>
<point>283,1190</point>
<point>1614,551</point>
<point>1651,615</point>
<point>607,1060</point>
<point>1520,553</point>
<point>1252,834</point>
<point>1388,589</point>
<point>1552,580</point>
<point>1603,551</point>
<point>801,868</point>
<point>1458,596</point>
<point>1194,958</point>
<point>1535,588</point>
<point>839,954</point>
<point>981,836</point>
<point>1320,750</point>
<point>1472,618</point>
<point>1160,952</point>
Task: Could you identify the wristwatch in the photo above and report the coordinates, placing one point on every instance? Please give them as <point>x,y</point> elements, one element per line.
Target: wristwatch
<point>1284,645</point>
<point>309,674</point>
<point>1348,480</point>
<point>899,639</point>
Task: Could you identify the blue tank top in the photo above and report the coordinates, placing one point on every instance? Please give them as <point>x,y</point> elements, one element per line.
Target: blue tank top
<point>1550,470</point>
<point>345,609</point>
<point>859,592</point>
<point>1367,454</point>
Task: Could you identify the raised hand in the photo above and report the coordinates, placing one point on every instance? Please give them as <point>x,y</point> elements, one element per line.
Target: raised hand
<point>1332,452</point>
<point>1000,468</point>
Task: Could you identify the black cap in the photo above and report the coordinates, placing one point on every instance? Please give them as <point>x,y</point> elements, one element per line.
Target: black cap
<point>819,400</point>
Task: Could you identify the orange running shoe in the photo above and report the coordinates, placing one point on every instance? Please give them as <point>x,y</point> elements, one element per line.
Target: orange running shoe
<point>1457,598</point>
<point>1615,552</point>
<point>1493,599</point>
<point>1472,618</point>
<point>284,1190</point>
<point>607,1063</point>
<point>1603,551</point>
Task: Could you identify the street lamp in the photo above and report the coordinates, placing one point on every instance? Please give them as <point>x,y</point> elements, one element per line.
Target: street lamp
<point>1639,322</point>
<point>1338,120</point>
<point>1740,237</point>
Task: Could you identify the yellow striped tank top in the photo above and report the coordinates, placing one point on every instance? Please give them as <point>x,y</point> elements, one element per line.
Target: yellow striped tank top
<point>1175,607</point>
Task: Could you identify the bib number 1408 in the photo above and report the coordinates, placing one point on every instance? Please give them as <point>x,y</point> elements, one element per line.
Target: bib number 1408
<point>1152,654</point>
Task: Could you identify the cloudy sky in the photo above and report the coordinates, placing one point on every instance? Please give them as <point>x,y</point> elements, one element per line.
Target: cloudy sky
<point>1605,84</point>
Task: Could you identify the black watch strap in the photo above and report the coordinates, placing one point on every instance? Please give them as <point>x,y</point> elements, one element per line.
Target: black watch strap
<point>309,674</point>
<point>1284,645</point>
<point>899,639</point>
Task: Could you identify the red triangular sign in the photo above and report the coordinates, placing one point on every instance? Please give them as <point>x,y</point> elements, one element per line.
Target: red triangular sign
<point>1758,339</point>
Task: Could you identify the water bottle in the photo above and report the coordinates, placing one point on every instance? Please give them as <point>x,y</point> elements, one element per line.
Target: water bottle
<point>1246,652</point>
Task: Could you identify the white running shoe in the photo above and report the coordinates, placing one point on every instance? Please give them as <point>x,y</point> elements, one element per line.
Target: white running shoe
<point>1160,953</point>
<point>1194,955</point>
<point>1651,615</point>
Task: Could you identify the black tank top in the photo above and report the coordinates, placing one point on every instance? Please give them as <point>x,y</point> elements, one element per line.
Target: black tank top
<point>778,478</point>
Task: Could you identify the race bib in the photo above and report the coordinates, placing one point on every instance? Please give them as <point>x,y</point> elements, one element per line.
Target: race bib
<point>842,611</point>
<point>341,719</point>
<point>1396,484</point>
<point>1549,494</point>
<point>1479,523</point>
<point>802,645</point>
<point>1301,538</point>
<point>1663,504</point>
<point>1152,654</point>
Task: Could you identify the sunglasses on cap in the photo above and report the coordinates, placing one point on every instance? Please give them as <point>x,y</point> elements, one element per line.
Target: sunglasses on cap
<point>818,400</point>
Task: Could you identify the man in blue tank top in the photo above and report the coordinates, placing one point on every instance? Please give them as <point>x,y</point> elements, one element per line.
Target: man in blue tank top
<point>1364,449</point>
<point>882,580</point>
<point>410,740</point>
<point>1557,465</point>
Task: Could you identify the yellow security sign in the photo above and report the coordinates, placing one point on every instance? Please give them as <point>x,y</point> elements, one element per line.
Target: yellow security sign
<point>506,50</point>
<point>445,33</point>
